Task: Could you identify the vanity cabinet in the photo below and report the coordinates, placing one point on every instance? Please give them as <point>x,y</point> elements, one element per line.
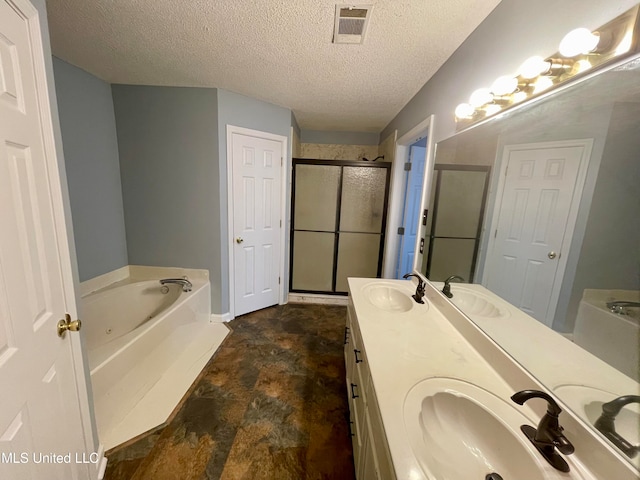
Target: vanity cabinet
<point>370,450</point>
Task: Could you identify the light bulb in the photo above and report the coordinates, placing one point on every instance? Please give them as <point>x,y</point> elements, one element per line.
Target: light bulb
<point>578,42</point>
<point>533,66</point>
<point>542,84</point>
<point>480,97</point>
<point>464,110</point>
<point>504,85</point>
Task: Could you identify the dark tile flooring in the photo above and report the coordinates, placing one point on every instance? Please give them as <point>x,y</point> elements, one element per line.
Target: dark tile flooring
<point>270,404</point>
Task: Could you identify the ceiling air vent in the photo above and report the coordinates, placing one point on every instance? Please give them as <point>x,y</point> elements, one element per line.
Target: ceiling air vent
<point>351,23</point>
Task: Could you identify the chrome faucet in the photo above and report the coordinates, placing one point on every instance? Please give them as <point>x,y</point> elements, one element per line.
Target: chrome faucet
<point>184,282</point>
<point>548,436</point>
<point>447,288</point>
<point>605,424</point>
<point>619,306</point>
<point>419,295</point>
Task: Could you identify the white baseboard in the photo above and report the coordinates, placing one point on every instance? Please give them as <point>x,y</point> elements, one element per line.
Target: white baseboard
<point>318,299</point>
<point>219,318</point>
<point>103,464</point>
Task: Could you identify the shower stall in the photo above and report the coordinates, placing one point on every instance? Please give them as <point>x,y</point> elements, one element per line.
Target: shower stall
<point>338,220</point>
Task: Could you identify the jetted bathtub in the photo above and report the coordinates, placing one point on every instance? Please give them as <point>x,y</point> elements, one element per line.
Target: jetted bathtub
<point>133,332</point>
<point>610,336</point>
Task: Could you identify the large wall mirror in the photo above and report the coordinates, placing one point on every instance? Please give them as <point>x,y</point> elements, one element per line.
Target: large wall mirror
<point>563,171</point>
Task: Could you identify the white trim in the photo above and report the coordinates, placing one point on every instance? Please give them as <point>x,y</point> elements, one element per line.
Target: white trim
<point>318,299</point>
<point>587,145</point>
<point>396,194</point>
<point>60,203</point>
<point>231,129</point>
<point>221,318</point>
<point>102,466</point>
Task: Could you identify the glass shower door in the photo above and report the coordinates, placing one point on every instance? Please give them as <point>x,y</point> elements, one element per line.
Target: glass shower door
<point>314,219</point>
<point>457,202</point>
<point>338,222</point>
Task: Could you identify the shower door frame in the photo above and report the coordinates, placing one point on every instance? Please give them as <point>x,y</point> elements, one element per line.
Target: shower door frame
<point>437,179</point>
<point>336,231</point>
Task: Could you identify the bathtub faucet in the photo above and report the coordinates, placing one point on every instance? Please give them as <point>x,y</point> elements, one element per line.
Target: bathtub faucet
<point>619,306</point>
<point>186,284</point>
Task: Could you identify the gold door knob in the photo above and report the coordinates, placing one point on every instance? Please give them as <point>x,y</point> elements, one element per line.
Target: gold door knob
<point>239,240</point>
<point>67,324</point>
<point>551,255</point>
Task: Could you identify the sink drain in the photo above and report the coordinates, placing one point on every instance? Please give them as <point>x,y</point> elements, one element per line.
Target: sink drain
<point>493,476</point>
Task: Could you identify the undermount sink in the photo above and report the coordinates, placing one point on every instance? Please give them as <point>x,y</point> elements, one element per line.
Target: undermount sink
<point>458,430</point>
<point>475,303</point>
<point>389,298</point>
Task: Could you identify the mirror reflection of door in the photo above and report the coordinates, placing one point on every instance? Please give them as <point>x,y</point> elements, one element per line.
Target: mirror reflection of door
<point>414,175</point>
<point>534,221</point>
<point>457,202</point>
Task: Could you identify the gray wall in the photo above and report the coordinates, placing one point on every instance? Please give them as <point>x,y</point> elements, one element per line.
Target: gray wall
<point>514,31</point>
<point>610,255</point>
<point>241,111</point>
<point>168,146</point>
<point>93,172</point>
<point>339,138</point>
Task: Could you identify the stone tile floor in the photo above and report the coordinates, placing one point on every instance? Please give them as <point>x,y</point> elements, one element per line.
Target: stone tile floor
<point>271,404</point>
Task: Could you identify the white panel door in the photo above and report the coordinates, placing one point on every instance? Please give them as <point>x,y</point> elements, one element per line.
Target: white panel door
<point>256,221</point>
<point>534,212</point>
<point>39,404</point>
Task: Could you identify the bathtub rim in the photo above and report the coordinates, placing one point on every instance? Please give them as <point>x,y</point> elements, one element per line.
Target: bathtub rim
<point>136,273</point>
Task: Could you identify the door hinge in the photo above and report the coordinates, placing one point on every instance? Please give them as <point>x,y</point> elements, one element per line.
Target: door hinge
<point>280,223</point>
<point>281,161</point>
<point>278,280</point>
<point>495,234</point>
<point>407,167</point>
<point>400,230</point>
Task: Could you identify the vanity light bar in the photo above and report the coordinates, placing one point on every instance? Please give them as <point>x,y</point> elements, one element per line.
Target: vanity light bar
<point>580,51</point>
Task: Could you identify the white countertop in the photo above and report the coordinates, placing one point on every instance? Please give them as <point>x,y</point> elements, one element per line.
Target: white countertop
<point>404,348</point>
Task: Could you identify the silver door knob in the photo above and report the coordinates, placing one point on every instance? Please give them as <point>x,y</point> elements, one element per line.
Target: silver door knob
<point>551,255</point>
<point>239,240</point>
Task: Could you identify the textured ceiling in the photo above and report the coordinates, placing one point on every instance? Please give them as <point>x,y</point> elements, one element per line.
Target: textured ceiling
<point>279,51</point>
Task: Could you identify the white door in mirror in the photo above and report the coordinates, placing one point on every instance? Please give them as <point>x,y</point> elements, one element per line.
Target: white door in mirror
<point>534,213</point>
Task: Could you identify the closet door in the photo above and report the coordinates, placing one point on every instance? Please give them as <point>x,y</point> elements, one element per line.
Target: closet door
<point>338,221</point>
